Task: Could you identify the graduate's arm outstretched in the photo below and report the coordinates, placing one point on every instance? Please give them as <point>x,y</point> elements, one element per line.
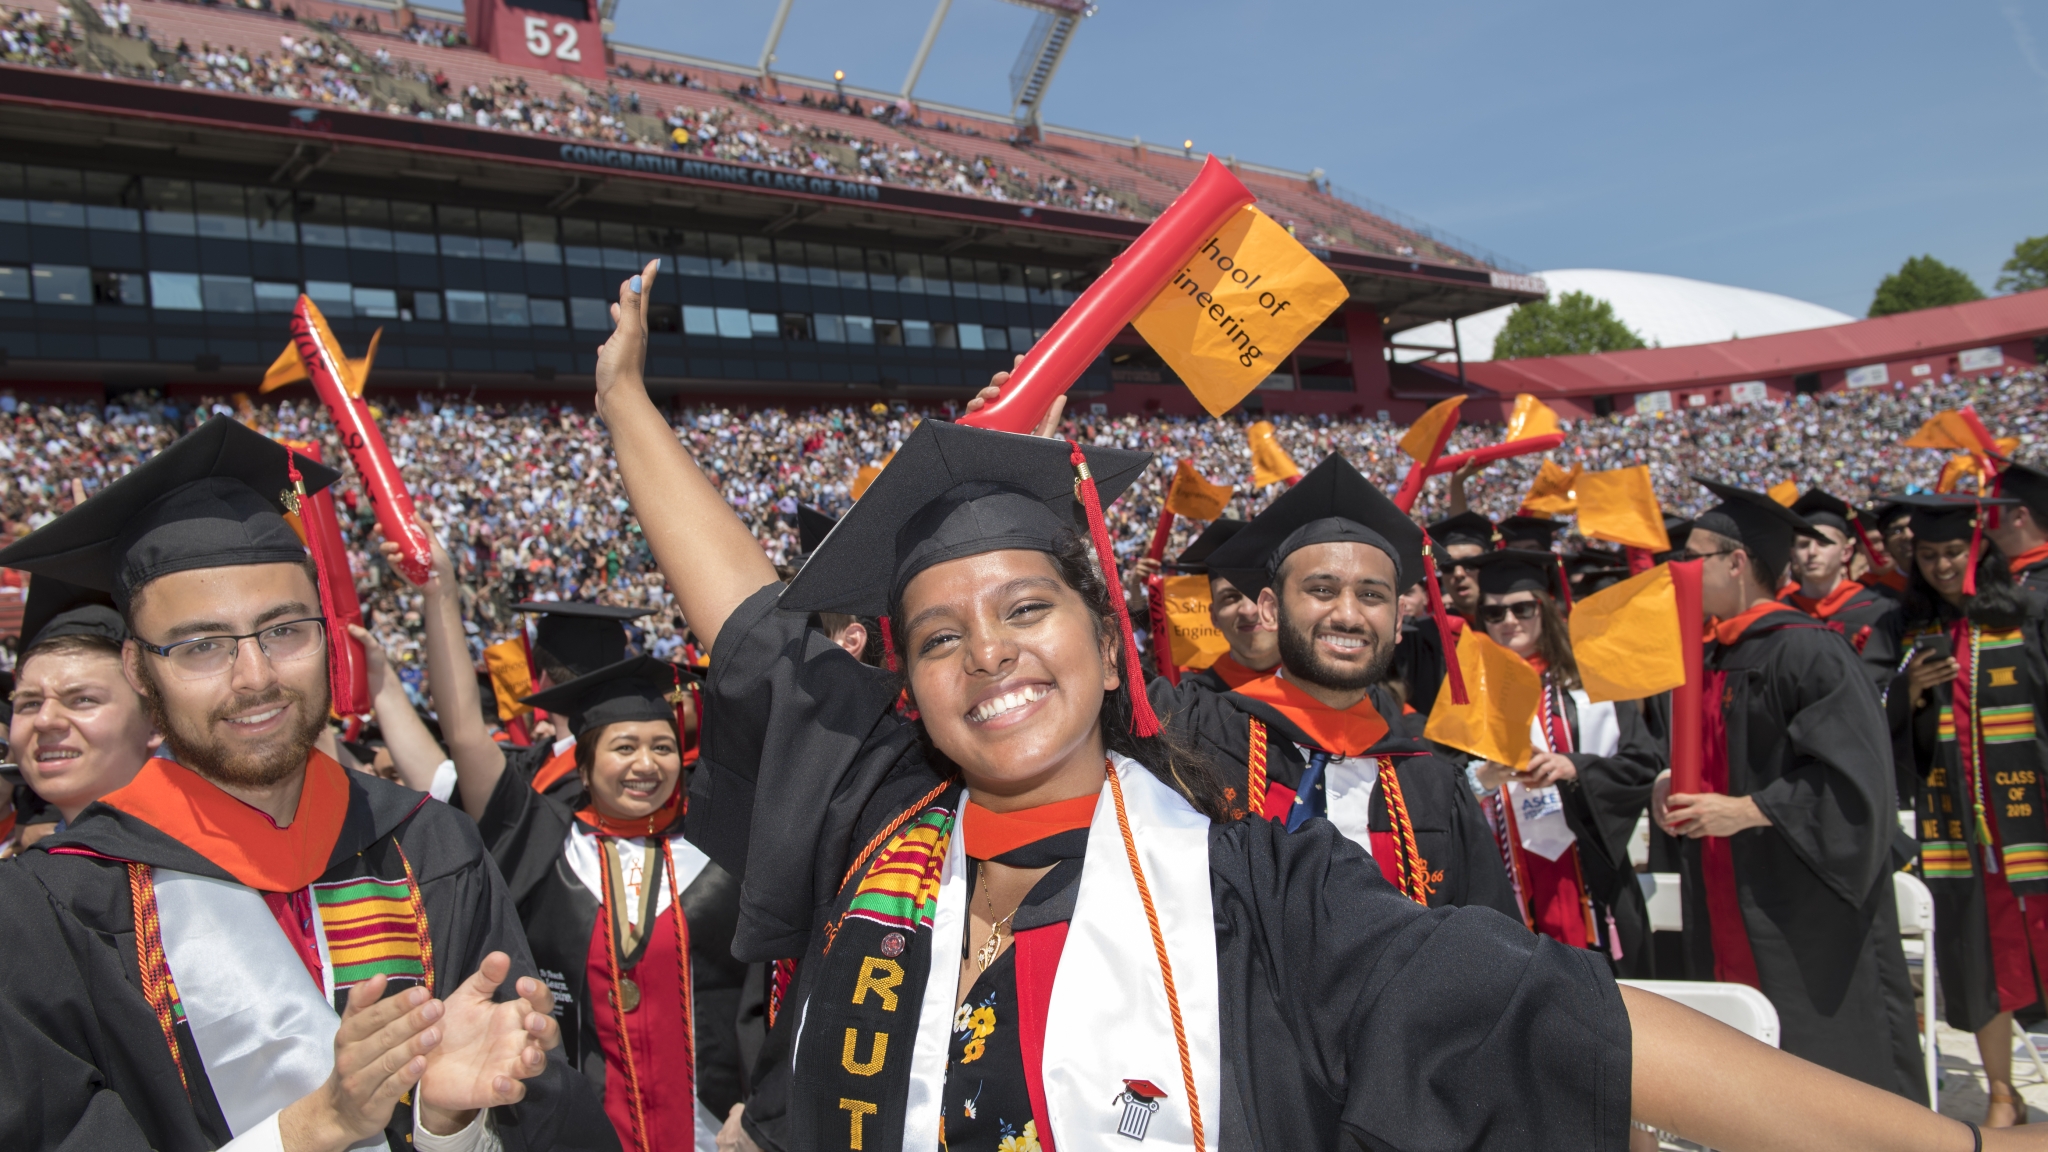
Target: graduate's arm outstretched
<point>711,561</point>
<point>413,749</point>
<point>451,679</point>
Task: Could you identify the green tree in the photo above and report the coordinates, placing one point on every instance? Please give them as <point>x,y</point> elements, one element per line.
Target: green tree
<point>2028,268</point>
<point>1923,282</point>
<point>1573,324</point>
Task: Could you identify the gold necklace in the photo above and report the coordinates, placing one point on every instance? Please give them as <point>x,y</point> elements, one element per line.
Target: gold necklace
<point>994,944</point>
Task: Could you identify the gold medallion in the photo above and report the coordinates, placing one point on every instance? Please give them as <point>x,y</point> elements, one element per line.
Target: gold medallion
<point>629,993</point>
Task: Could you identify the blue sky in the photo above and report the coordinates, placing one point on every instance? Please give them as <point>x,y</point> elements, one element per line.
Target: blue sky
<point>1794,147</point>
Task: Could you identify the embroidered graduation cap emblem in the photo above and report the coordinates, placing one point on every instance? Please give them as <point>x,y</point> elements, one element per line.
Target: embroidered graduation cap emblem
<point>1140,1099</point>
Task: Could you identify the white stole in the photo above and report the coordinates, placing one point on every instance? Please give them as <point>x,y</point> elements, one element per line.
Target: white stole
<point>1108,1020</point>
<point>264,1029</point>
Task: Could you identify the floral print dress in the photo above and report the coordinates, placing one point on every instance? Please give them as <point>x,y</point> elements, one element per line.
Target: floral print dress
<point>987,1107</point>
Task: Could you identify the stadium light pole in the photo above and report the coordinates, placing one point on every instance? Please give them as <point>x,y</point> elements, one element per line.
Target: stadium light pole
<point>931,35</point>
<point>774,36</point>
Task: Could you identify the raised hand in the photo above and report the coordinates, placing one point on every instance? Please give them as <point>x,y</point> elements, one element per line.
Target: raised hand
<point>487,1047</point>
<point>380,1052</point>
<point>443,575</point>
<point>621,359</point>
<point>1048,424</point>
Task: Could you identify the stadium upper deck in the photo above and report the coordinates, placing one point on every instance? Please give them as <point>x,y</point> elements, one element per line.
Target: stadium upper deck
<point>191,172</point>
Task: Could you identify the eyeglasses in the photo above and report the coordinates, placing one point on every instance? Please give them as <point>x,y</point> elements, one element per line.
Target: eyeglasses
<point>204,657</point>
<point>1684,554</point>
<point>1498,613</point>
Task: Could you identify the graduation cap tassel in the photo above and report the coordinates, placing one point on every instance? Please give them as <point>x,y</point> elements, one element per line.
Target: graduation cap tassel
<point>1564,585</point>
<point>1143,721</point>
<point>1976,547</point>
<point>1443,621</point>
<point>888,645</point>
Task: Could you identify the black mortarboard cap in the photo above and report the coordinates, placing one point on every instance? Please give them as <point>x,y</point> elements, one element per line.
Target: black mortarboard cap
<point>953,491</point>
<point>1676,529</point>
<point>1333,503</point>
<point>213,499</point>
<point>1506,570</point>
<point>1886,510</point>
<point>1527,530</point>
<point>57,608</point>
<point>2029,485</point>
<point>578,635</point>
<point>637,688</point>
<point>1195,558</point>
<point>1464,528</point>
<point>1940,518</point>
<point>812,526</point>
<point>1763,526</point>
<point>1823,509</point>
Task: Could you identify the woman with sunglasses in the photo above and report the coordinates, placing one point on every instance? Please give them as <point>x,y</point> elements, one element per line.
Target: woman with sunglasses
<point>1564,821</point>
<point>1010,915</point>
<point>1964,712</point>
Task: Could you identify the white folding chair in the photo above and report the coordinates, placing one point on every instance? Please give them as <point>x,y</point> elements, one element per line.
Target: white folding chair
<point>1916,940</point>
<point>1737,1005</point>
<point>1667,911</point>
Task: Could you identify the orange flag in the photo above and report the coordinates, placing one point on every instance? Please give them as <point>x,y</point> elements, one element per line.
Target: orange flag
<point>1959,468</point>
<point>510,678</point>
<point>1626,638</point>
<point>289,369</point>
<point>867,474</point>
<point>1426,437</point>
<point>1193,497</point>
<point>1270,462</point>
<point>1553,493</point>
<point>1531,417</point>
<point>1503,693</point>
<point>1196,641</point>
<point>1621,507</point>
<point>1784,492</point>
<point>1955,429</point>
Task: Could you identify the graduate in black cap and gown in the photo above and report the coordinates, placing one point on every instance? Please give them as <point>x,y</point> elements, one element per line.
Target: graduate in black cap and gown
<point>571,638</point>
<point>1965,715</point>
<point>1894,520</point>
<point>78,729</point>
<point>2021,530</point>
<point>595,885</point>
<point>860,636</point>
<point>1789,856</point>
<point>1564,822</point>
<point>224,948</point>
<point>1820,568</point>
<point>1464,534</point>
<point>1325,735</point>
<point>1235,613</point>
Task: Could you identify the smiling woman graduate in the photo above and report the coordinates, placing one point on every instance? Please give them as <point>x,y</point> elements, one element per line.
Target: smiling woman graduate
<point>1021,920</point>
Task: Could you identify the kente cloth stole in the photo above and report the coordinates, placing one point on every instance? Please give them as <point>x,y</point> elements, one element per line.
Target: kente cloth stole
<point>1984,793</point>
<point>876,1013</point>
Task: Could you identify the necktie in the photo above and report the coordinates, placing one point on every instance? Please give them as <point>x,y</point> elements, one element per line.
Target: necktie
<point>1311,799</point>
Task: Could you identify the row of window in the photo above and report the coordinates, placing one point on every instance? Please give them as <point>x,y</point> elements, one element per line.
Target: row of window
<point>195,292</point>
<point>106,201</point>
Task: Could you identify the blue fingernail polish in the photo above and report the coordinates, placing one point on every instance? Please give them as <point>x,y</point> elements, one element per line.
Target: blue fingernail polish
<point>633,285</point>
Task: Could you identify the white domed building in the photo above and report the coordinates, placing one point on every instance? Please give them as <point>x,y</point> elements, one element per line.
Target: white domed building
<point>1666,311</point>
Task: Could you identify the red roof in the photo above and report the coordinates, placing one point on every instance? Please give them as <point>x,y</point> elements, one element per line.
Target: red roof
<point>1906,336</point>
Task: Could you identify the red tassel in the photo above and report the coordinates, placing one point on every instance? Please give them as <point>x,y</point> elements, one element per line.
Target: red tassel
<point>888,646</point>
<point>1143,721</point>
<point>1162,638</point>
<point>1443,623</point>
<point>1872,550</point>
<point>1564,585</point>
<point>1976,546</point>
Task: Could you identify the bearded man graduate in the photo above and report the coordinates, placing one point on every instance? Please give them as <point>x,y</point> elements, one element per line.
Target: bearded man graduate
<point>250,946</point>
<point>1789,855</point>
<point>1323,735</point>
<point>1820,567</point>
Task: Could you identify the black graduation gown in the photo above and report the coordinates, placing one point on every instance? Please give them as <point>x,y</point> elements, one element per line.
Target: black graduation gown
<point>1603,806</point>
<point>1450,830</point>
<point>2033,577</point>
<point>525,831</point>
<point>73,1020</point>
<point>1351,1017</point>
<point>1419,664</point>
<point>1872,623</point>
<point>1806,738</point>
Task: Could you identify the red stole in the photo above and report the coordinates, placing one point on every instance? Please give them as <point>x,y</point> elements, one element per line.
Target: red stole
<point>1734,963</point>
<point>1553,888</point>
<point>559,766</point>
<point>1827,605</point>
<point>661,1052</point>
<point>1233,674</point>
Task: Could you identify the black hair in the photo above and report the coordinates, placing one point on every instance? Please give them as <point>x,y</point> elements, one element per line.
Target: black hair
<point>587,742</point>
<point>1999,602</point>
<point>1178,765</point>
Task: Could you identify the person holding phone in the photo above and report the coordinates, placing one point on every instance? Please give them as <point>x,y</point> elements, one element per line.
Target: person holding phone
<point>1966,741</point>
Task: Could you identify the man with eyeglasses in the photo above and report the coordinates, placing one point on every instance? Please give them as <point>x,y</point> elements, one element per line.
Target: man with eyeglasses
<point>1788,850</point>
<point>250,946</point>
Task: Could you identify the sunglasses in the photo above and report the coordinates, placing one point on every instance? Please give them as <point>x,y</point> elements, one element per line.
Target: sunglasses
<point>1498,613</point>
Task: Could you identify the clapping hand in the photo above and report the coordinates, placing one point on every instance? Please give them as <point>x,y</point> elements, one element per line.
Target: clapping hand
<point>487,1047</point>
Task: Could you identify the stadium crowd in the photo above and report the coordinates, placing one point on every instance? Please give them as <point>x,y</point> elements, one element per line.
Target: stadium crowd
<point>329,69</point>
<point>531,506</point>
